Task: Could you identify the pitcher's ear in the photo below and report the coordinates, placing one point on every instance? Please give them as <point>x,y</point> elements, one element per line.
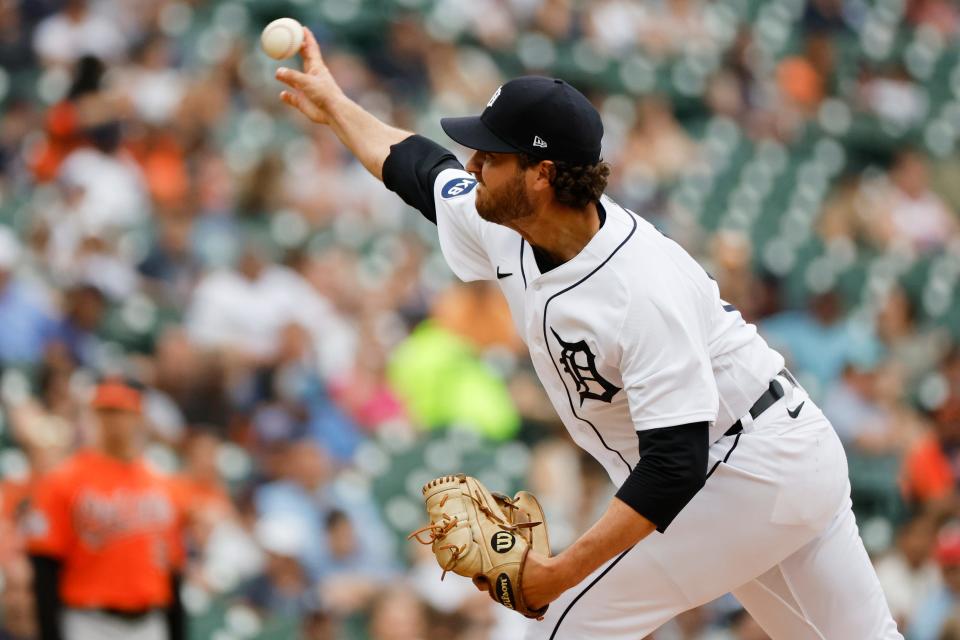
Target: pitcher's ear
<point>547,171</point>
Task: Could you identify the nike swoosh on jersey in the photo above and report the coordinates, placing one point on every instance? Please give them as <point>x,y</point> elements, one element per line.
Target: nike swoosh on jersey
<point>795,412</point>
<point>501,276</point>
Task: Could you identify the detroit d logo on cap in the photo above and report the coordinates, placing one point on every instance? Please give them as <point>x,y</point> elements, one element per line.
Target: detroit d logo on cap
<point>581,365</point>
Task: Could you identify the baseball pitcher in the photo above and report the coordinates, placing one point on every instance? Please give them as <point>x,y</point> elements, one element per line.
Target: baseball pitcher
<point>729,477</point>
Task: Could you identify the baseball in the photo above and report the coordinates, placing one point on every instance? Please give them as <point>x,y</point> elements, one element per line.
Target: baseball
<point>282,38</point>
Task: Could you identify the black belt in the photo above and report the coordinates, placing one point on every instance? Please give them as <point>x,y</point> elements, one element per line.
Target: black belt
<point>773,393</point>
<point>128,615</point>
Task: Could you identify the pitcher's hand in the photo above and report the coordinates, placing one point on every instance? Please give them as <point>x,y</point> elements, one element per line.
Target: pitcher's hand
<point>543,582</point>
<point>313,90</point>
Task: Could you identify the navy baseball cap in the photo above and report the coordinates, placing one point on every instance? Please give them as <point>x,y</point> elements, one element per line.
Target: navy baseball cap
<point>543,117</point>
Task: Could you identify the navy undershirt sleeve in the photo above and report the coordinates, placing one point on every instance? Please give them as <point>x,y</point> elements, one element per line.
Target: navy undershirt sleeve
<point>672,468</point>
<point>412,168</point>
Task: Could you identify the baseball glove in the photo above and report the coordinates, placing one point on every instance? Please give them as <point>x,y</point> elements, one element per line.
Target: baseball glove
<point>484,536</point>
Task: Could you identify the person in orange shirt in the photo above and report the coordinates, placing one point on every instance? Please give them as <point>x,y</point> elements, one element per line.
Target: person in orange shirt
<point>931,468</point>
<point>103,536</point>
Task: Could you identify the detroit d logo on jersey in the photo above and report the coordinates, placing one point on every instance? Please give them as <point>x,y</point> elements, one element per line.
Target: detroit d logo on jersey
<point>581,365</point>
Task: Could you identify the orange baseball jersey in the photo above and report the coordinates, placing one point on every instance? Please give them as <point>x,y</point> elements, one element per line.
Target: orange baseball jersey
<point>114,526</point>
<point>193,495</point>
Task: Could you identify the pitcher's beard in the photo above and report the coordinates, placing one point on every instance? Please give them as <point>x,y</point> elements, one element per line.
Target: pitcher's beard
<point>508,204</point>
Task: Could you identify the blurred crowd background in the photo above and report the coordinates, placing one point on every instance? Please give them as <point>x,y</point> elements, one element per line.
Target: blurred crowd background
<point>309,358</point>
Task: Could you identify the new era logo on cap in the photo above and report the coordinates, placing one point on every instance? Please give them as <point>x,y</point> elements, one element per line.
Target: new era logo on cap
<point>539,142</point>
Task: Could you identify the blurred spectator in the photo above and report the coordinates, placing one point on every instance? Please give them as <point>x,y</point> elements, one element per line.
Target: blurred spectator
<point>307,495</point>
<point>242,312</point>
<point>402,62</point>
<point>893,96</point>
<point>931,470</point>
<point>860,418</point>
<point>15,50</point>
<point>824,16</point>
<point>154,86</point>
<point>736,91</point>
<point>658,149</point>
<point>819,341</point>
<point>913,214</point>
<point>801,83</point>
<point>77,332</point>
<point>163,161</point>
<point>364,392</point>
<point>75,31</point>
<point>199,485</point>
<point>806,80</point>
<point>194,382</point>
<point>613,25</point>
<point>909,573</point>
<point>443,383</point>
<point>283,587</point>
<point>941,15</point>
<point>916,350</point>
<point>110,186</point>
<point>670,27</point>
<point>67,123</point>
<point>477,312</point>
<point>848,212</point>
<point>933,612</point>
<point>352,577</point>
<point>170,267</point>
<point>29,318</point>
<point>398,615</point>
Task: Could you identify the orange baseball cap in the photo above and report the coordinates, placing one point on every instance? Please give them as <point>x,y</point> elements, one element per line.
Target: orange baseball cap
<point>117,394</point>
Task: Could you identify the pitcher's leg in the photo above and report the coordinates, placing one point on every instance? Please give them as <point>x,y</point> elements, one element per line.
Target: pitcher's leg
<point>723,539</point>
<point>828,589</point>
<point>626,599</point>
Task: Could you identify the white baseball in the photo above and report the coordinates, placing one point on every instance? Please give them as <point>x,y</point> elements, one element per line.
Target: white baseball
<point>282,38</point>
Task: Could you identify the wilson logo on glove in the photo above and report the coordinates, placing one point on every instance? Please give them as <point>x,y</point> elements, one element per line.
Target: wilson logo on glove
<point>502,541</point>
<point>513,526</point>
<point>504,591</point>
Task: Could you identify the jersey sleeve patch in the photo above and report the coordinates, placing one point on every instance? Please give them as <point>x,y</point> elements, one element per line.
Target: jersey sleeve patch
<point>457,187</point>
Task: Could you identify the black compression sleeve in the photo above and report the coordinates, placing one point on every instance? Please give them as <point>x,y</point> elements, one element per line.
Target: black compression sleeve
<point>46,592</point>
<point>411,169</point>
<point>672,468</point>
<point>176,614</point>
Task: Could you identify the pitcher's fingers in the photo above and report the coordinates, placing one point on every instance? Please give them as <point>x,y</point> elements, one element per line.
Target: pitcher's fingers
<point>292,77</point>
<point>298,101</point>
<point>310,51</point>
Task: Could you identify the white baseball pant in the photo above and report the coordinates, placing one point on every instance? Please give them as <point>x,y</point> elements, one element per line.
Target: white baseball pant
<point>80,624</point>
<point>773,525</point>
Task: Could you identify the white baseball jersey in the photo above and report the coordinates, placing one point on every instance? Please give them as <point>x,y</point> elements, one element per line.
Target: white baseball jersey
<point>630,334</point>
